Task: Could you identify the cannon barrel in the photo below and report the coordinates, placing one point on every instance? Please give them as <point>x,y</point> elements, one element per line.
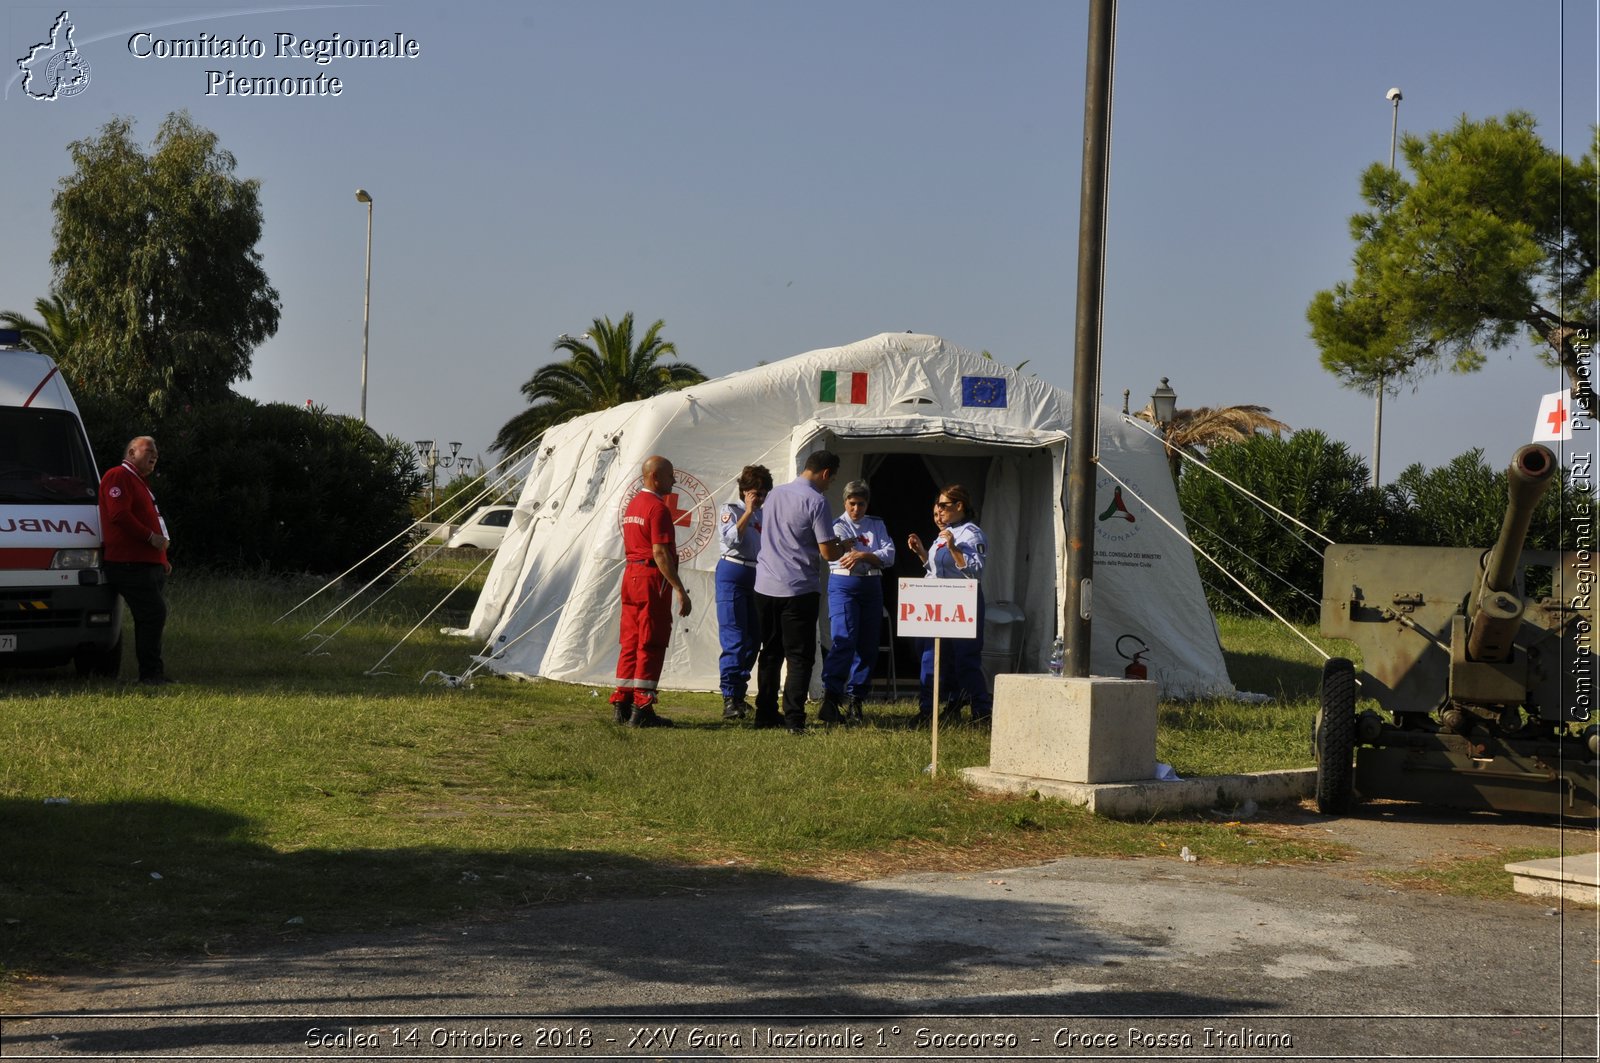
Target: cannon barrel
<point>1497,612</point>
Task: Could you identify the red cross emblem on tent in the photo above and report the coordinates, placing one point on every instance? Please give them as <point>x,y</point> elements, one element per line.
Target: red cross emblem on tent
<point>692,511</point>
<point>680,517</point>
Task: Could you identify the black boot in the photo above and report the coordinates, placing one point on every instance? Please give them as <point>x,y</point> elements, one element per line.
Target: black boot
<point>733,708</point>
<point>853,713</point>
<point>645,716</point>
<point>829,713</point>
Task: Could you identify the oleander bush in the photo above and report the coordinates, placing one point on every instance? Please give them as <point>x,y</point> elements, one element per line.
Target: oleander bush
<point>1320,482</point>
<point>269,487</point>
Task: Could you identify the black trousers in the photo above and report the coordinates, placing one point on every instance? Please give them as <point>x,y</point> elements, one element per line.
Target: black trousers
<point>788,637</point>
<point>143,586</point>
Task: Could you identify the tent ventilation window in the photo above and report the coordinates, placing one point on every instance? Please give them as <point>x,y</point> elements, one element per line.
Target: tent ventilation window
<point>918,401</point>
<point>597,478</point>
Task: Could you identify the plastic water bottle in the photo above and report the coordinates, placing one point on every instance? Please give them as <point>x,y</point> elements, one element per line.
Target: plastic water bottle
<point>1058,657</point>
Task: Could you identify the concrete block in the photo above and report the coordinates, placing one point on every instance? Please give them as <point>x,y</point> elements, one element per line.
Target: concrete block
<point>1077,730</point>
<point>1141,800</point>
<point>1570,878</point>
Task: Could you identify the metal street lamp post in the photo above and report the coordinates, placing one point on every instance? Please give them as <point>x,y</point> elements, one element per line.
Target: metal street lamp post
<point>1393,96</point>
<point>363,196</point>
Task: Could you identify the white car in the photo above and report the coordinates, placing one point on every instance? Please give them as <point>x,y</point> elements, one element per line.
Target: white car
<point>483,530</point>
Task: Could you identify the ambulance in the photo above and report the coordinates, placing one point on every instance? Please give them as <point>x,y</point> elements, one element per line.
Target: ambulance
<point>55,605</point>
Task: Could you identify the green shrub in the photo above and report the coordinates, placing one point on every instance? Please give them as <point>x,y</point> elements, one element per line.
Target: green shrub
<point>1458,504</point>
<point>247,485</point>
<point>1308,475</point>
<point>1462,504</point>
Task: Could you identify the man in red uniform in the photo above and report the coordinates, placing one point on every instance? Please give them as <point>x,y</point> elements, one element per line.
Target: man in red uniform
<point>135,542</point>
<point>648,579</point>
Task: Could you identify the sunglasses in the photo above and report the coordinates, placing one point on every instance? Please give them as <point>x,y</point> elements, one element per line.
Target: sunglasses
<point>945,505</point>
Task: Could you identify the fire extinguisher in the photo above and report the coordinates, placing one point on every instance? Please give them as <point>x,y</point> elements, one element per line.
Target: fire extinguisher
<point>1136,667</point>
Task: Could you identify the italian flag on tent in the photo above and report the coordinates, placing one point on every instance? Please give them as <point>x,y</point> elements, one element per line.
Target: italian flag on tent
<point>839,386</point>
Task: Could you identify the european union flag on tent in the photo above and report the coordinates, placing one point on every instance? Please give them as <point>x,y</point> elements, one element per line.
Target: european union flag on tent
<point>983,391</point>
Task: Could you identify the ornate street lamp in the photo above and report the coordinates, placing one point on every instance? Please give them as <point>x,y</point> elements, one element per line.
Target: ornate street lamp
<point>1163,407</point>
<point>433,461</point>
<point>1164,403</point>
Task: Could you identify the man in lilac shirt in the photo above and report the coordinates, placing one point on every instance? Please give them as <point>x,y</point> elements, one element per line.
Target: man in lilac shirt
<point>796,538</point>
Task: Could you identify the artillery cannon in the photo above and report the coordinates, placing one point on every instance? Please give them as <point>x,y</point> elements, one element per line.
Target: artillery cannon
<point>1489,696</point>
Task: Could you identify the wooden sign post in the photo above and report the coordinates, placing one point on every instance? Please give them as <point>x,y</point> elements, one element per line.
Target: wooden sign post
<point>938,609</point>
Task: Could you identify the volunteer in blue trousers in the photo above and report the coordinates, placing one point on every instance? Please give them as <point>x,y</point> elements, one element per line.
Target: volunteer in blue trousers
<point>855,607</point>
<point>956,553</point>
<point>740,531</point>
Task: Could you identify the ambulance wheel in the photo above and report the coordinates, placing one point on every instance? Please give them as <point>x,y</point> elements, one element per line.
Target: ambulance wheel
<point>106,662</point>
<point>1336,738</point>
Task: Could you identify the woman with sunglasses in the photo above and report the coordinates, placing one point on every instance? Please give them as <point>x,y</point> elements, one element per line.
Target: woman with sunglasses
<point>956,553</point>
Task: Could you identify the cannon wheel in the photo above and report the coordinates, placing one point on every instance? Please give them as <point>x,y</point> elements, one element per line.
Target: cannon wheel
<point>1336,737</point>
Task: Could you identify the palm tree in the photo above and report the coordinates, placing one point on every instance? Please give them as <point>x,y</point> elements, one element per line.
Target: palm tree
<point>56,331</point>
<point>607,371</point>
<point>1195,431</point>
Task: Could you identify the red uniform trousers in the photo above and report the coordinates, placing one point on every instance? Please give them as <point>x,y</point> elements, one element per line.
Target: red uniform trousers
<point>646,628</point>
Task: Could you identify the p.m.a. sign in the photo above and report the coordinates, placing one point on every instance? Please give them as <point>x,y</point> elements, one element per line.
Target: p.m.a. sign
<point>938,609</point>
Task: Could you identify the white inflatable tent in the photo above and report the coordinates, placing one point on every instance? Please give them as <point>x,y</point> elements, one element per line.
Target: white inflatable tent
<point>906,412</point>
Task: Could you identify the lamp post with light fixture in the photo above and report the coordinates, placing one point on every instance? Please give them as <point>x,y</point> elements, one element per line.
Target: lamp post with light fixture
<point>1394,97</point>
<point>363,196</point>
<point>1163,406</point>
<point>433,461</point>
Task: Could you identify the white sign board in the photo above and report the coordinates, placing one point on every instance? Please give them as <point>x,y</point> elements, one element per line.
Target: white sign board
<point>938,609</point>
<point>1554,422</point>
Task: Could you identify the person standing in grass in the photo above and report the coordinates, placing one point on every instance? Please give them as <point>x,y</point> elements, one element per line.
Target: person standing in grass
<point>134,539</point>
<point>796,538</point>
<point>649,577</point>
<point>957,552</point>
<point>736,594</point>
<point>855,606</point>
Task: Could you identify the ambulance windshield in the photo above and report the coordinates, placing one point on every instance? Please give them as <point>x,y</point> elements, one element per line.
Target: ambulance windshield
<point>44,458</point>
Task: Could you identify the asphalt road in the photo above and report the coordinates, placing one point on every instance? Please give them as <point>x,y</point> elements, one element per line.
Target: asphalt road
<point>1079,958</point>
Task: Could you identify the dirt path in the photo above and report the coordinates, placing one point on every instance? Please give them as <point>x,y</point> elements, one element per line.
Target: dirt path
<point>1394,836</point>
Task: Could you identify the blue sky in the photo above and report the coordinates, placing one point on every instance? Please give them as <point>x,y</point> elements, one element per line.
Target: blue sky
<point>773,177</point>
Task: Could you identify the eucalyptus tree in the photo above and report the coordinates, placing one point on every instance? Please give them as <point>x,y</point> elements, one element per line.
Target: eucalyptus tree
<point>156,255</point>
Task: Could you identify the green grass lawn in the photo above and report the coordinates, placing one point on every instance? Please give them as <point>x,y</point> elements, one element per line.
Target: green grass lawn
<point>281,790</point>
